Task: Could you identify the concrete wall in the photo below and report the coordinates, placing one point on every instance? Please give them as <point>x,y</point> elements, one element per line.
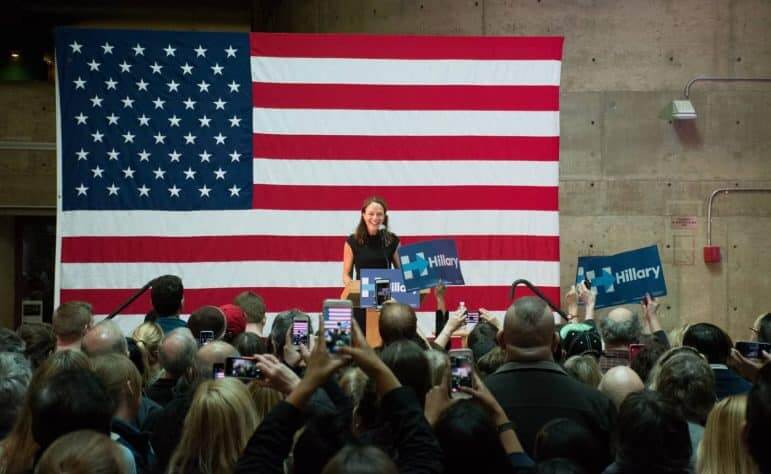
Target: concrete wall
<point>626,174</point>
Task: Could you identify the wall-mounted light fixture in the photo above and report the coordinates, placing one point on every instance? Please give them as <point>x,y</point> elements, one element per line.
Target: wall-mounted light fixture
<point>683,109</point>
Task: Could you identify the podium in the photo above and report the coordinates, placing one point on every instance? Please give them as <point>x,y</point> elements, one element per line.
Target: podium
<point>368,318</point>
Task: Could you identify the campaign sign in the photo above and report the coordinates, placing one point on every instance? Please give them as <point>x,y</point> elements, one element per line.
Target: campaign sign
<point>398,290</point>
<point>625,277</point>
<point>425,264</point>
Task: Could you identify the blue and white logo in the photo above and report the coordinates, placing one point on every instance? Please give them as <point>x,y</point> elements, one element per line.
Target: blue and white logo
<point>623,278</point>
<point>425,264</point>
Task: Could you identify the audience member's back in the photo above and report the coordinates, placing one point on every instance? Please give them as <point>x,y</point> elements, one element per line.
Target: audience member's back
<point>759,420</point>
<point>533,389</point>
<point>716,345</point>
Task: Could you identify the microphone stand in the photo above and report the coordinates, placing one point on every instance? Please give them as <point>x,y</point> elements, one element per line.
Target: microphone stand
<point>131,299</point>
<point>383,247</point>
<point>538,293</point>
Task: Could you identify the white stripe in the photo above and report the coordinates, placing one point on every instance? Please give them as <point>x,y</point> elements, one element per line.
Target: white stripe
<point>405,71</point>
<point>406,173</point>
<point>302,223</point>
<point>81,276</point>
<point>406,122</point>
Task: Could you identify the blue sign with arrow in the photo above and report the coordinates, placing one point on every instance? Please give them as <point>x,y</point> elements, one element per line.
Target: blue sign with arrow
<point>425,264</point>
<point>625,277</point>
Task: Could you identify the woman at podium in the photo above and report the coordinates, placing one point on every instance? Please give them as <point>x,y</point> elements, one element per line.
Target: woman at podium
<point>372,245</point>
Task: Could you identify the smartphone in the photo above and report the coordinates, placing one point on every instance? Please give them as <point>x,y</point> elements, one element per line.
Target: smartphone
<point>461,370</point>
<point>242,368</point>
<point>382,291</point>
<point>218,371</point>
<point>752,349</point>
<point>300,330</point>
<point>205,337</point>
<point>634,350</point>
<point>338,315</point>
<point>472,318</point>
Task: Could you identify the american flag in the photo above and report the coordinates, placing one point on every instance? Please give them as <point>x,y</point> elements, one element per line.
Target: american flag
<point>240,161</point>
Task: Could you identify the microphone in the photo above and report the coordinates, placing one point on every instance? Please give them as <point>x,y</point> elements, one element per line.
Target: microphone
<point>381,229</point>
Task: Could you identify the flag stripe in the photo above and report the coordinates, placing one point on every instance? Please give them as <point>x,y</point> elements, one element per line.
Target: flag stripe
<point>399,122</point>
<point>308,299</point>
<point>274,273</point>
<point>306,223</point>
<point>399,97</point>
<point>228,248</point>
<point>411,198</point>
<point>405,47</point>
<point>440,148</point>
<point>404,173</point>
<point>408,72</point>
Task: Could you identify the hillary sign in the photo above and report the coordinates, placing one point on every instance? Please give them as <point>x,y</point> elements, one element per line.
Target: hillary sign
<point>625,277</point>
<point>425,264</point>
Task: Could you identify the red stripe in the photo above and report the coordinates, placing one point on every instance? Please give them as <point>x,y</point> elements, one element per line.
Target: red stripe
<point>284,248</point>
<point>407,198</point>
<point>307,299</point>
<point>399,97</point>
<point>405,47</point>
<point>340,147</point>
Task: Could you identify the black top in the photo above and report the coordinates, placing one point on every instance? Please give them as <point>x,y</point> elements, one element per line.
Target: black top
<point>373,254</point>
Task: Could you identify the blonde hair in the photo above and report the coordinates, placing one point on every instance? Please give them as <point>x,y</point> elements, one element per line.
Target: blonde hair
<point>676,335</point>
<point>721,449</point>
<point>218,425</point>
<point>585,369</point>
<point>82,452</point>
<point>264,399</point>
<point>114,370</point>
<point>17,450</point>
<point>148,336</point>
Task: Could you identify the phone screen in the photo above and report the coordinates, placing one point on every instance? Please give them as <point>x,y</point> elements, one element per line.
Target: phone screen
<point>242,368</point>
<point>382,291</point>
<point>461,368</point>
<point>472,318</point>
<point>634,350</point>
<point>752,349</point>
<point>300,331</point>
<point>337,327</point>
<point>219,371</point>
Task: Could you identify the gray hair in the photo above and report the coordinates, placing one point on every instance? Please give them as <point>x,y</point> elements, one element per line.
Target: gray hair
<point>10,341</point>
<point>621,332</point>
<point>178,359</point>
<point>15,374</point>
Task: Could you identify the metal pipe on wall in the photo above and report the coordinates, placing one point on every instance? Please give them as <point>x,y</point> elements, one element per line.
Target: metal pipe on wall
<point>719,191</point>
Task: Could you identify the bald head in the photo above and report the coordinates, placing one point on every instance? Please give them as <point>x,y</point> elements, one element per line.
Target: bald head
<point>528,330</point>
<point>619,382</point>
<point>397,322</point>
<point>621,327</point>
<point>177,352</point>
<point>105,338</point>
<point>213,353</point>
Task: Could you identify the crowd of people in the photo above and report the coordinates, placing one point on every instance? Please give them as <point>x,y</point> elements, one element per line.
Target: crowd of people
<point>613,393</point>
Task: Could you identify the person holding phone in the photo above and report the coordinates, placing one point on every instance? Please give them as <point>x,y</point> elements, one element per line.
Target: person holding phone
<point>372,245</point>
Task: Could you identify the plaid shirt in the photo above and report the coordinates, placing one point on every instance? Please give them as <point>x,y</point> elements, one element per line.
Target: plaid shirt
<point>613,357</point>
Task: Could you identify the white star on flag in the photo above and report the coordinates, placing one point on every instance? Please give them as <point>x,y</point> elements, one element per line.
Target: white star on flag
<point>128,172</point>
<point>76,47</point>
<point>138,50</point>
<point>144,191</point>
<point>174,191</point>
<point>81,118</point>
<point>107,47</point>
<point>97,171</point>
<point>174,156</point>
<point>220,138</point>
<point>200,51</point>
<point>234,190</point>
<point>231,51</point>
<point>82,154</point>
<point>219,173</point>
<point>79,83</point>
<point>190,173</point>
<point>124,66</point>
<point>82,190</point>
<point>113,190</point>
<point>159,173</point>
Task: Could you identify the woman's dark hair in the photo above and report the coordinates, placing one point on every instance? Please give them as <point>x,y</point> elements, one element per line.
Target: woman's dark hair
<point>710,340</point>
<point>281,325</point>
<point>40,341</point>
<point>469,440</point>
<point>360,459</point>
<point>135,354</point>
<point>559,466</point>
<point>646,359</point>
<point>325,434</point>
<point>249,344</point>
<point>410,365</point>
<point>361,233</point>
<point>566,438</point>
<point>481,339</point>
<point>652,435</point>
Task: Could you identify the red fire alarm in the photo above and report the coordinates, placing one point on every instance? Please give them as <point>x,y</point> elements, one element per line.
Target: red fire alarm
<point>712,254</point>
